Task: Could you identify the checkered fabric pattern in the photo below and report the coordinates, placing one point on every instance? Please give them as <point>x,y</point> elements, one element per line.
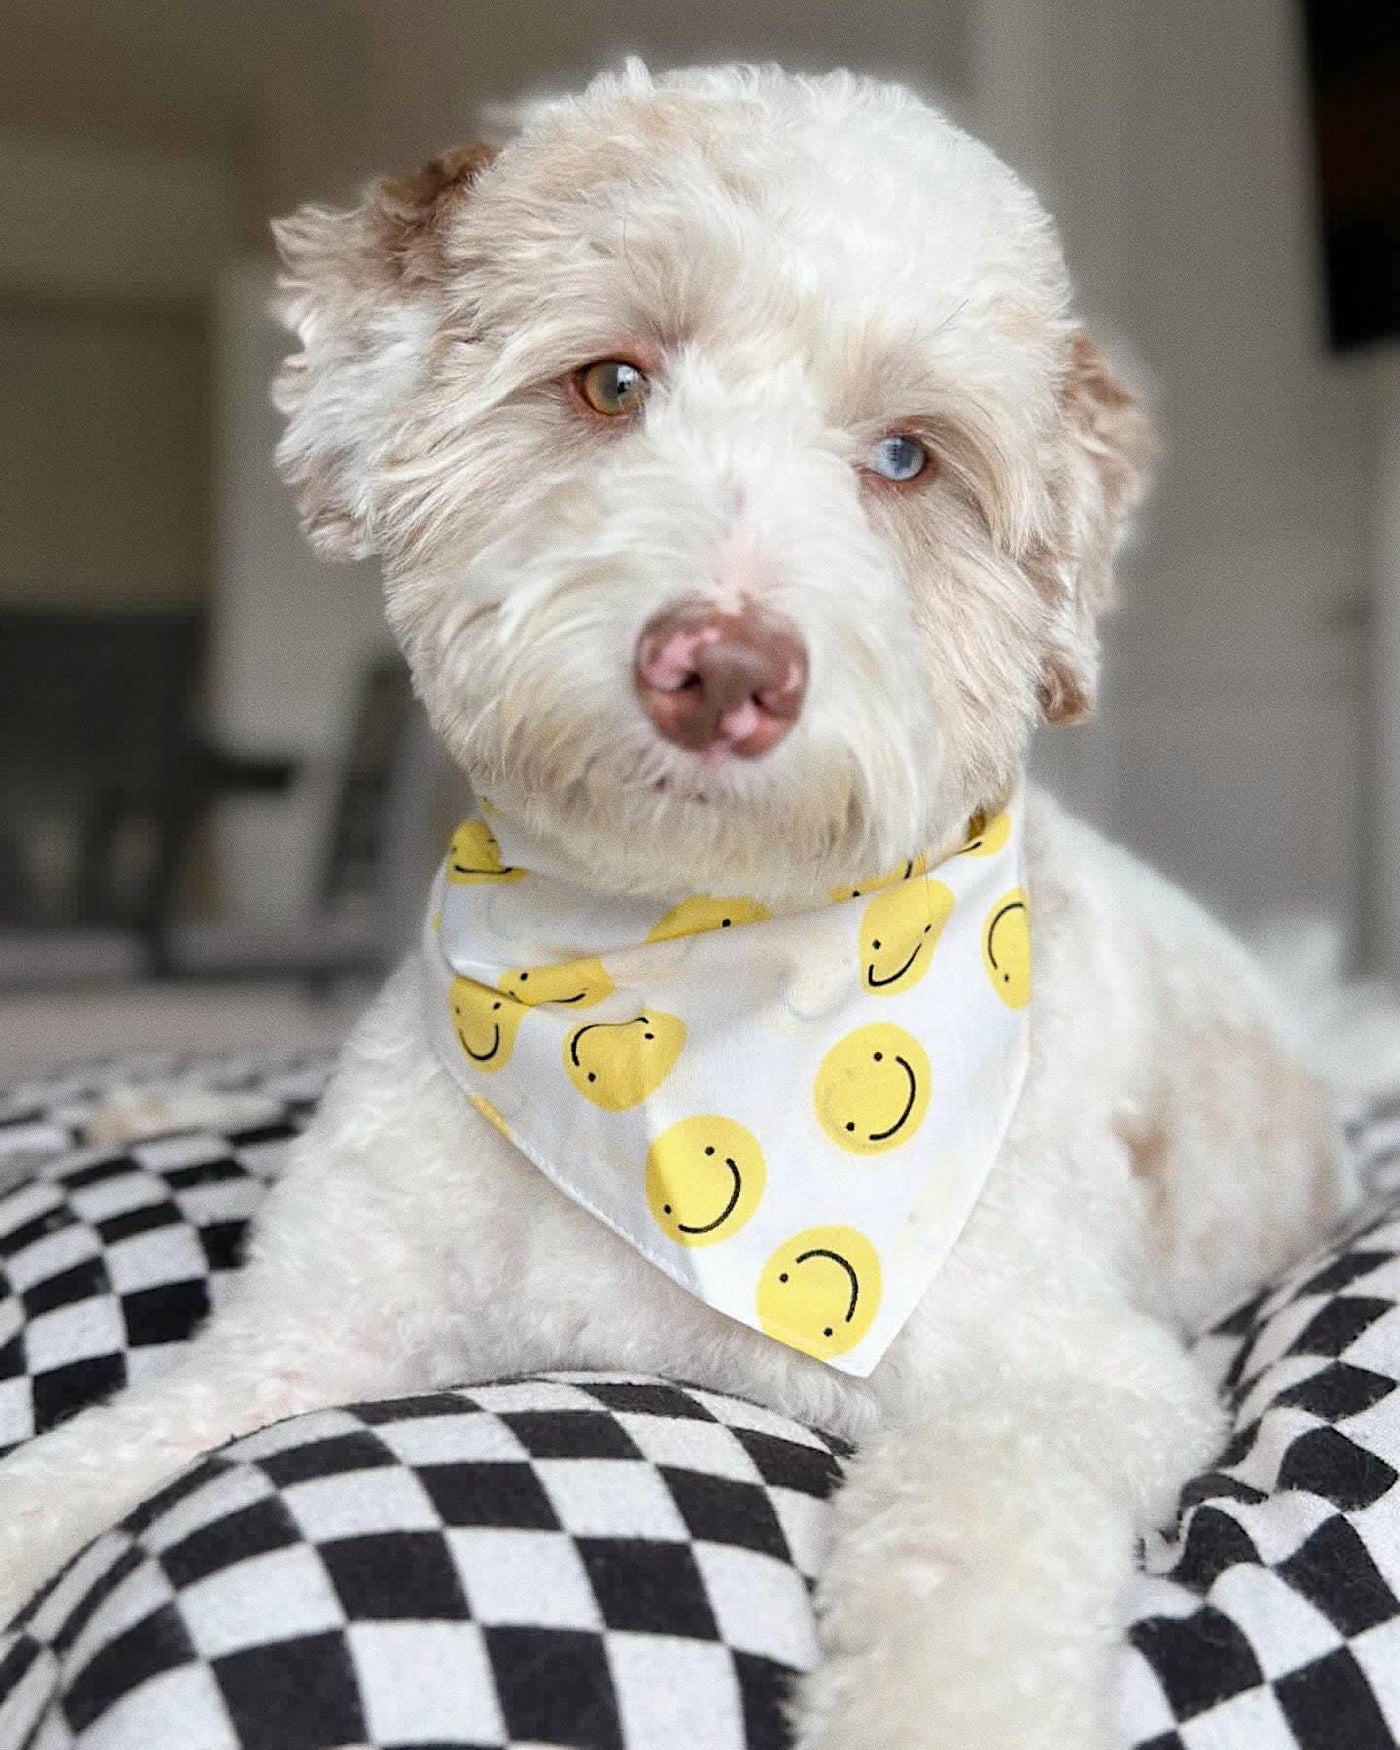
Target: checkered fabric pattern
<point>564,1560</point>
<point>43,1117</point>
<point>591,1561</point>
<point>110,1258</point>
<point>1269,1619</point>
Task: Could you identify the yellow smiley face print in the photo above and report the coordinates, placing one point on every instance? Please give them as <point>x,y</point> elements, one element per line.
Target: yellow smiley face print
<point>872,1089</point>
<point>906,871</point>
<point>476,857</point>
<point>704,1179</point>
<point>899,932</point>
<point>1006,949</point>
<point>820,1291</point>
<point>692,917</point>
<point>572,984</point>
<point>986,834</point>
<point>485,1022</point>
<point>617,1064</point>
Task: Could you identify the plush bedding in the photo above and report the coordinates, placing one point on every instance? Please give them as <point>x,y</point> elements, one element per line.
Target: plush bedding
<point>601,1561</point>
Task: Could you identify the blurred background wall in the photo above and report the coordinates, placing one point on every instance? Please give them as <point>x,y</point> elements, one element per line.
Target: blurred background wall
<point>1246,742</point>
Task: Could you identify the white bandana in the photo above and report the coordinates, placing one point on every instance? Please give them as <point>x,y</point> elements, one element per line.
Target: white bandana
<point>792,1116</point>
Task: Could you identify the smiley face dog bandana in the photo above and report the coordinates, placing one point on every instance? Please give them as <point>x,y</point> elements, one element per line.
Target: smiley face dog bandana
<point>793,1115</point>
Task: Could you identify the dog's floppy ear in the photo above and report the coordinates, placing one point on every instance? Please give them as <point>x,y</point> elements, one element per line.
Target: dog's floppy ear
<point>359,291</point>
<point>1107,445</point>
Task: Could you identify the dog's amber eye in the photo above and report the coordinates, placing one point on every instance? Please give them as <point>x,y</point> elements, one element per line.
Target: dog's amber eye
<point>612,387</point>
<point>898,457</point>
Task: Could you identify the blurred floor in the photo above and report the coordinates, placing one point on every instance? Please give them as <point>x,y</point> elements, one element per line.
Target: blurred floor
<point>43,1028</point>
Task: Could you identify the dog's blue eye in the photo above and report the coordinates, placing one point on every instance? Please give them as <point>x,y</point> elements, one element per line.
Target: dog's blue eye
<point>898,458</point>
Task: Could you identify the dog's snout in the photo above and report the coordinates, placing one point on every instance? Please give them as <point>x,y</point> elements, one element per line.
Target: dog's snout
<point>713,681</point>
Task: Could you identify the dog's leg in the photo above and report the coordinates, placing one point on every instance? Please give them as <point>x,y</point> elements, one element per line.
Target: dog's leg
<point>349,1294</point>
<point>973,1590</point>
<point>262,1364</point>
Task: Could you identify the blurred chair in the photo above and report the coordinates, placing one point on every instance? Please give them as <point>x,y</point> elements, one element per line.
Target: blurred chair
<point>99,764</point>
<point>106,784</point>
<point>392,810</point>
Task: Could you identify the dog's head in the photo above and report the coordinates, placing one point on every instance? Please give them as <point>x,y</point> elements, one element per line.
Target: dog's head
<point>743,485</point>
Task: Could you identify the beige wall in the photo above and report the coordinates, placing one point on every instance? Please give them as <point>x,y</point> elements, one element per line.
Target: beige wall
<point>338,106</point>
<point>103,456</point>
<point>84,216</point>
<point>289,633</point>
<point>107,254</point>
<point>1381,887</point>
<point>1238,698</point>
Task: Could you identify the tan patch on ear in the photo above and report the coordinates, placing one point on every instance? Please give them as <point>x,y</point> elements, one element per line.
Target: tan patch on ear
<point>1113,427</point>
<point>354,279</point>
<point>407,213</point>
<point>326,521</point>
<point>1107,446</point>
<point>1063,695</point>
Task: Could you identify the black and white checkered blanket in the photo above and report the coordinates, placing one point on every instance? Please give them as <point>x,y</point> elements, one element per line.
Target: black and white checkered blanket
<point>598,1561</point>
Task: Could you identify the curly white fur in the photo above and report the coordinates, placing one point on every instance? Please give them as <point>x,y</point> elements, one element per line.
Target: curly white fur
<point>801,266</point>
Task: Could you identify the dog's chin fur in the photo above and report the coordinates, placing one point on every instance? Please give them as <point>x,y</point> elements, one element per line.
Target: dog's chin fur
<point>802,266</point>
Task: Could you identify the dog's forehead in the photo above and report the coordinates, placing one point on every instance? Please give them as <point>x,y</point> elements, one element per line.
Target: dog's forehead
<point>877,212</point>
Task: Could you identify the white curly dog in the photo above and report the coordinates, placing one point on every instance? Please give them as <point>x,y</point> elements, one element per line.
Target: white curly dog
<point>791,361</point>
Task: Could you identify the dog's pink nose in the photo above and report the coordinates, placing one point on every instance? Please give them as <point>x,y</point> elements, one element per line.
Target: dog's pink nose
<point>721,682</point>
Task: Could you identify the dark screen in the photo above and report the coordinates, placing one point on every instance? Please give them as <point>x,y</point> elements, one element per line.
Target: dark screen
<point>1353,57</point>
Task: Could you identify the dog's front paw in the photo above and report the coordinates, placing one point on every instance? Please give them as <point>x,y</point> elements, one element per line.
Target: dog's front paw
<point>839,1706</point>
<point>57,1493</point>
<point>902,1698</point>
<point>958,1617</point>
<point>31,1534</point>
